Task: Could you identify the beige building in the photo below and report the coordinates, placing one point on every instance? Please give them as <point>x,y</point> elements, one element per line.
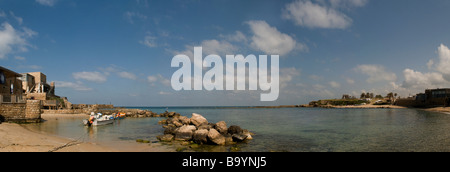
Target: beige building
<point>35,86</point>
<point>10,86</point>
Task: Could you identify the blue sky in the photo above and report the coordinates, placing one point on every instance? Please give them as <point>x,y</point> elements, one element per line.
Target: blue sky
<point>120,51</point>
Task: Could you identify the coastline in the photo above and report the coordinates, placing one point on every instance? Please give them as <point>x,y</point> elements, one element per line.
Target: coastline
<point>22,138</point>
<point>16,138</point>
<point>445,110</point>
<point>370,107</point>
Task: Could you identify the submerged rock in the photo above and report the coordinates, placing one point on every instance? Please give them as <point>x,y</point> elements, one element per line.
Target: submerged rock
<point>165,138</point>
<point>239,137</point>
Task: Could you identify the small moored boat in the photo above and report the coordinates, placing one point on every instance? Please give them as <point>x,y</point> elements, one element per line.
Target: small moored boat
<point>99,119</point>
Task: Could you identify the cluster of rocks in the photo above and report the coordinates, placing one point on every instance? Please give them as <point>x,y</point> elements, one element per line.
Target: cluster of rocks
<point>199,130</point>
<point>138,113</point>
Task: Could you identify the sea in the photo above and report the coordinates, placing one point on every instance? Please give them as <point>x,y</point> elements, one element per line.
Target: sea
<point>284,129</point>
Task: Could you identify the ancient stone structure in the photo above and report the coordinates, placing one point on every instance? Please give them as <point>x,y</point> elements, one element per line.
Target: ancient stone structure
<point>28,112</point>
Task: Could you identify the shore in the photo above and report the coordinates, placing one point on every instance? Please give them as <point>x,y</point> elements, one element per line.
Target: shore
<point>439,109</point>
<point>370,107</point>
<point>16,138</point>
<point>20,138</point>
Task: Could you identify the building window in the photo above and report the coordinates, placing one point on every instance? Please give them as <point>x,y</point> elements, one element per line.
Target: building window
<point>2,78</point>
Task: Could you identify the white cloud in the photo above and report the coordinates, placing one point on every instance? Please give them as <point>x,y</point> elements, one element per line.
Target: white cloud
<point>213,46</point>
<point>419,80</point>
<point>443,66</point>
<point>334,84</point>
<point>164,93</point>
<point>438,77</point>
<point>287,75</point>
<point>127,75</point>
<point>376,73</point>
<point>149,41</point>
<point>348,3</point>
<point>238,36</point>
<point>12,40</point>
<point>154,79</point>
<point>17,18</point>
<point>350,81</point>
<point>91,76</point>
<point>308,14</point>
<point>318,91</point>
<point>79,86</point>
<point>20,58</point>
<point>131,16</point>
<point>49,3</point>
<point>271,41</point>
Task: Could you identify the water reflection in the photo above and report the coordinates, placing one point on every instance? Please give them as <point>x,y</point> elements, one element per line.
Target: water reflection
<point>291,129</point>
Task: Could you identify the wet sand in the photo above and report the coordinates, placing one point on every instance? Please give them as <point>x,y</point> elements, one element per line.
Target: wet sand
<point>15,138</point>
<point>19,138</point>
<point>370,107</point>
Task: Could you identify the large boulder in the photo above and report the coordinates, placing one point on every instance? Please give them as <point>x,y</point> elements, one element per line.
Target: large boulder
<point>185,132</point>
<point>177,123</point>
<point>170,129</point>
<point>184,120</point>
<point>165,138</point>
<point>171,114</point>
<point>201,136</point>
<point>221,127</point>
<point>204,126</point>
<point>235,130</point>
<point>216,137</point>
<point>198,119</point>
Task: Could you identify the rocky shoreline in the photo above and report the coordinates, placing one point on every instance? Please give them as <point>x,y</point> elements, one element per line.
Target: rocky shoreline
<point>198,130</point>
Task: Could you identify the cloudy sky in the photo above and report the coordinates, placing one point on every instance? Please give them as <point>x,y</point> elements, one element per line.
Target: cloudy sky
<point>120,51</point>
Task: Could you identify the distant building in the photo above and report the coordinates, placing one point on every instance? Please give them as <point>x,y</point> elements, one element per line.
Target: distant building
<point>438,96</point>
<point>13,104</point>
<point>431,97</point>
<point>35,87</point>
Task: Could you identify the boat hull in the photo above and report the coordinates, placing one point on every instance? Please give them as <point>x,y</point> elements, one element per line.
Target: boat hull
<point>103,122</point>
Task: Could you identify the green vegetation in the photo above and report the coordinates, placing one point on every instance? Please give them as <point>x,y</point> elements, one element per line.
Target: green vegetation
<point>341,102</point>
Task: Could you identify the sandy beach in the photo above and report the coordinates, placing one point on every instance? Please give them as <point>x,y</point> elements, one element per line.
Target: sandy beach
<point>19,138</point>
<point>370,107</point>
<point>15,138</point>
<point>439,109</point>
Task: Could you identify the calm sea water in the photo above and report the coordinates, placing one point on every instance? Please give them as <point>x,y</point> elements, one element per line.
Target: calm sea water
<point>291,129</point>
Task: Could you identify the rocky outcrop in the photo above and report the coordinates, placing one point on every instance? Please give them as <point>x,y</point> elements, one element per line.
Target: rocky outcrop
<point>135,113</point>
<point>216,137</point>
<point>201,136</point>
<point>222,127</point>
<point>185,132</point>
<point>198,120</point>
<point>198,130</point>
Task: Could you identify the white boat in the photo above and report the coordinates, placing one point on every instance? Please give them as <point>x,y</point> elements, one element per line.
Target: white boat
<point>99,119</point>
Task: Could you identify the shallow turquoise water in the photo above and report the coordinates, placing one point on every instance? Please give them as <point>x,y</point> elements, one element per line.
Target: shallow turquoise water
<point>292,129</point>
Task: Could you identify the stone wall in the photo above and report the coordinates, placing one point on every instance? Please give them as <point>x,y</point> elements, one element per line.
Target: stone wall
<point>21,112</point>
<point>65,111</point>
<point>12,111</point>
<point>37,96</point>
<point>33,110</point>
